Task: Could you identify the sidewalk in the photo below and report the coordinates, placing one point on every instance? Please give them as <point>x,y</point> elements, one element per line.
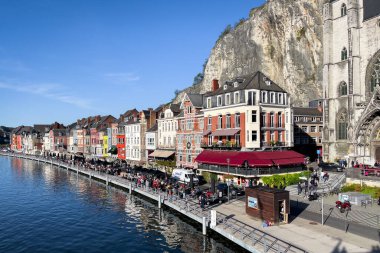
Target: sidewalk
<point>311,236</point>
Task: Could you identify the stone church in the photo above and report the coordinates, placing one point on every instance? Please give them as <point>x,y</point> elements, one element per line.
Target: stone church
<point>351,80</point>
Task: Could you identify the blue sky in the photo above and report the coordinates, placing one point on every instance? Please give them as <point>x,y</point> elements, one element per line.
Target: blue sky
<point>66,59</point>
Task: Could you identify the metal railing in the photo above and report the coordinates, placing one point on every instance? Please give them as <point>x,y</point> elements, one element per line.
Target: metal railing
<point>258,239</point>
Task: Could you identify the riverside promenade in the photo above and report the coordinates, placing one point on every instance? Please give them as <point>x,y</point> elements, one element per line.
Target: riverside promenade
<point>234,224</point>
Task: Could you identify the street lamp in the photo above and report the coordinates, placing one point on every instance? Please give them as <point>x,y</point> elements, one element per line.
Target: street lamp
<point>228,184</point>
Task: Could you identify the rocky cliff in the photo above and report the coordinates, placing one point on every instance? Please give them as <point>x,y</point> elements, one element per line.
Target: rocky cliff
<point>283,39</point>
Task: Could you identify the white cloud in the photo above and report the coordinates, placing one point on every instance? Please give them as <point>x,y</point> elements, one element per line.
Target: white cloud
<point>121,78</point>
<point>51,91</point>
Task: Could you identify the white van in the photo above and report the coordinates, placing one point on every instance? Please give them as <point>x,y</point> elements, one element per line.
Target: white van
<point>183,175</point>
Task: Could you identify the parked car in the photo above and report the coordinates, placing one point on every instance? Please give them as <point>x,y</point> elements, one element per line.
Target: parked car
<point>330,167</point>
<point>234,190</point>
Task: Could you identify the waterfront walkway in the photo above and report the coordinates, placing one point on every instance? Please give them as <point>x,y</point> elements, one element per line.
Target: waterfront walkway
<point>234,224</point>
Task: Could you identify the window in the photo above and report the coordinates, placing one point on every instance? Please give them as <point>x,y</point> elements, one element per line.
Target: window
<point>200,123</point>
<point>279,120</point>
<point>272,98</point>
<point>313,129</point>
<point>280,136</point>
<point>189,109</point>
<point>251,98</point>
<point>263,97</point>
<point>236,97</point>
<point>296,118</point>
<point>320,128</point>
<point>271,136</point>
<point>263,119</point>
<point>237,120</point>
<point>344,54</point>
<point>271,119</point>
<point>237,140</point>
<point>375,74</point>
<point>286,118</point>
<point>169,141</point>
<point>228,121</point>
<point>342,126</point>
<point>219,100</point>
<point>236,84</point>
<point>225,87</point>
<point>182,124</point>
<point>343,10</point>
<point>220,120</point>
<point>208,102</point>
<point>227,97</point>
<point>280,98</point>
<point>247,136</point>
<point>254,135</point>
<point>254,116</point>
<point>304,128</point>
<point>342,89</point>
<point>209,122</point>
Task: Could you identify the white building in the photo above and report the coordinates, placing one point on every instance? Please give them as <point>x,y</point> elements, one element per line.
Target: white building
<point>351,79</point>
<point>133,141</point>
<point>151,141</point>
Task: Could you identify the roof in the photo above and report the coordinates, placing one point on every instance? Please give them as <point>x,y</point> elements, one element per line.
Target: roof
<point>162,153</point>
<point>153,128</point>
<point>306,111</point>
<point>175,108</point>
<point>41,128</point>
<point>253,159</point>
<point>371,8</point>
<point>59,132</point>
<point>257,81</point>
<point>196,99</point>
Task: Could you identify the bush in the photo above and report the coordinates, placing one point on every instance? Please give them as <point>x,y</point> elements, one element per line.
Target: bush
<point>370,190</point>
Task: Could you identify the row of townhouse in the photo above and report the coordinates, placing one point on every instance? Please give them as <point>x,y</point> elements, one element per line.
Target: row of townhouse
<point>247,113</point>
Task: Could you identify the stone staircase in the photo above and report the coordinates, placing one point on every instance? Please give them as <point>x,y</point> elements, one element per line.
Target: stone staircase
<point>335,181</point>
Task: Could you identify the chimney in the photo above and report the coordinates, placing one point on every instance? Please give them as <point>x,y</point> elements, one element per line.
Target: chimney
<point>215,84</point>
<point>320,107</point>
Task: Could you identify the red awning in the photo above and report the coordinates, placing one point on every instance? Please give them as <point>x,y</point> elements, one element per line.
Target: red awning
<point>289,161</point>
<point>225,132</point>
<point>254,159</point>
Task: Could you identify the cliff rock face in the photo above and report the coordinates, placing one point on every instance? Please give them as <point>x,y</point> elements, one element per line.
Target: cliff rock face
<point>283,39</point>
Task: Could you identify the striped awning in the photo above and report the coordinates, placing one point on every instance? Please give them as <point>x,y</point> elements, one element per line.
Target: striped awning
<point>161,153</point>
<point>225,132</point>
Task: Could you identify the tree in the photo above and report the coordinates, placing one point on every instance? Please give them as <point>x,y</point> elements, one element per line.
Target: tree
<point>198,78</point>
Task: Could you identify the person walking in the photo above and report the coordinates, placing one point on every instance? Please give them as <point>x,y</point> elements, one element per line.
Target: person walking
<point>299,188</point>
<point>203,201</point>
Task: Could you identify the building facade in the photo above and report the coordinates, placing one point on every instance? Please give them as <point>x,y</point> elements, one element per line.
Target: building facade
<point>308,128</point>
<point>351,80</point>
<point>190,131</point>
<point>247,113</point>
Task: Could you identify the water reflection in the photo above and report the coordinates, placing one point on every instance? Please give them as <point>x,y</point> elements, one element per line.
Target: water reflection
<point>126,213</point>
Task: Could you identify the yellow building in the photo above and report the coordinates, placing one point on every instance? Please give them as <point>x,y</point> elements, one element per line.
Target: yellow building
<point>105,145</point>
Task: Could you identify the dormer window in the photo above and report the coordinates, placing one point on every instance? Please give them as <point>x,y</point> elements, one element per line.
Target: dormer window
<point>280,98</point>
<point>189,109</point>
<point>272,98</point>
<point>267,82</point>
<point>236,84</point>
<point>236,97</point>
<point>208,102</point>
<point>225,87</point>
<point>227,98</point>
<point>264,98</point>
<point>219,100</point>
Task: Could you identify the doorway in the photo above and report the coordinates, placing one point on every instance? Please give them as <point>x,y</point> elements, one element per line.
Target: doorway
<point>283,216</point>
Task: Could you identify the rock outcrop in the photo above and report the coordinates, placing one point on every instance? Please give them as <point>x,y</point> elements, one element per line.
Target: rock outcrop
<point>283,39</point>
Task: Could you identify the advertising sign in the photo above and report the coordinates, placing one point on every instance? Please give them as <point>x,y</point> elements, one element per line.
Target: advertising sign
<point>252,202</point>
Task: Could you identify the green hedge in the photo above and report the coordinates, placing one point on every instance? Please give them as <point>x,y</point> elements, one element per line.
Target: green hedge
<point>371,190</point>
<point>282,181</point>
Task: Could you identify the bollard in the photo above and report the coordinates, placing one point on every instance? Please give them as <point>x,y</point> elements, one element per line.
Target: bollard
<point>204,225</point>
<point>159,201</point>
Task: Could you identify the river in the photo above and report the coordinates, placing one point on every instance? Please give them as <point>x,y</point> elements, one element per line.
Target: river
<point>46,209</point>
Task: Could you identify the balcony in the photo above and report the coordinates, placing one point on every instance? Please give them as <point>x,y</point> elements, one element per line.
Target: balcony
<point>273,144</point>
<point>228,145</point>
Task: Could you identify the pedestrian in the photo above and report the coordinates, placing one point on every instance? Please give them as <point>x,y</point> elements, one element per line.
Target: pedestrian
<point>299,188</point>
<point>203,200</point>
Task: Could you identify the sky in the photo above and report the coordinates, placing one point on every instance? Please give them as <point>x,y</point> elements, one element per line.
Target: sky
<point>61,60</point>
